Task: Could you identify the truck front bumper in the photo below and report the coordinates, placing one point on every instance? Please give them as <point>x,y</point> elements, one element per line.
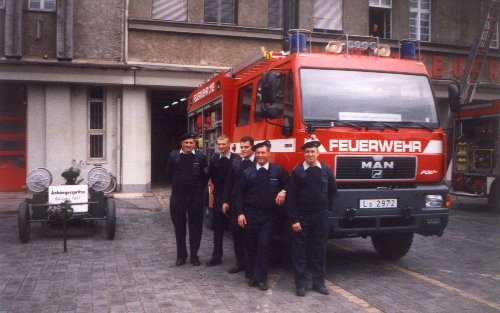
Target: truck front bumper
<point>348,219</point>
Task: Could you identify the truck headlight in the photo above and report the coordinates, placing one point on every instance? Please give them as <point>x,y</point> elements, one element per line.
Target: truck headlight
<point>434,201</point>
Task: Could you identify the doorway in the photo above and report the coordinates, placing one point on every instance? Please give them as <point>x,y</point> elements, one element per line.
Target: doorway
<point>168,123</point>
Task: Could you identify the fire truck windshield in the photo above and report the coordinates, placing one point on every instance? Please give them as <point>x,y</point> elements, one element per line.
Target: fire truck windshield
<point>342,95</point>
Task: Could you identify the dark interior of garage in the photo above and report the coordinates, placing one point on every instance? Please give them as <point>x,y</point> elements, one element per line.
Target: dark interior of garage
<point>168,123</point>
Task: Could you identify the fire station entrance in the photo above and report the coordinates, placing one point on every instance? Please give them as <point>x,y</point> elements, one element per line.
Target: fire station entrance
<point>168,123</point>
<point>12,137</point>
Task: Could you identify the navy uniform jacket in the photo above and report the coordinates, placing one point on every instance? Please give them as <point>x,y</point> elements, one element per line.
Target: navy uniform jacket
<point>309,191</point>
<point>218,168</point>
<point>259,194</point>
<point>187,172</point>
<point>233,176</point>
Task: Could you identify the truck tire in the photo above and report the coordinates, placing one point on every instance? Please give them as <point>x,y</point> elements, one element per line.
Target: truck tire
<point>23,222</point>
<point>494,196</point>
<point>110,218</point>
<point>392,246</point>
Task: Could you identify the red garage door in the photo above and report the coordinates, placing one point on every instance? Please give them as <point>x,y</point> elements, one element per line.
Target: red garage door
<point>12,137</point>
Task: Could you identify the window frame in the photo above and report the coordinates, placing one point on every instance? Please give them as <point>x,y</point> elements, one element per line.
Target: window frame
<point>42,6</point>
<point>246,108</point>
<point>219,13</point>
<point>495,36</point>
<point>99,131</point>
<point>419,11</point>
<point>379,4</point>
<point>184,2</point>
<point>329,30</point>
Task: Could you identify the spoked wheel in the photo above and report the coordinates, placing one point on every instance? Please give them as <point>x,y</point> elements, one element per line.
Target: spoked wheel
<point>110,218</point>
<point>23,222</point>
<point>392,246</point>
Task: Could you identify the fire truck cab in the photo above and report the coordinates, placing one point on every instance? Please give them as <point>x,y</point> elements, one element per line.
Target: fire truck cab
<point>375,117</point>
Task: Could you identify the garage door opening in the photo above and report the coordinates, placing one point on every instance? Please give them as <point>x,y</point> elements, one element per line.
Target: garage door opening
<point>168,123</point>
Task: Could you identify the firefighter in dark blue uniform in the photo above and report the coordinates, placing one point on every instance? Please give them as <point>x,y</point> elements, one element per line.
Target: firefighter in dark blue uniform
<point>310,192</point>
<point>218,168</point>
<point>260,191</point>
<point>187,171</point>
<point>238,165</point>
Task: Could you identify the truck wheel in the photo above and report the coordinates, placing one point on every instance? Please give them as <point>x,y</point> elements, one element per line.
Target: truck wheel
<point>110,218</point>
<point>392,246</point>
<point>23,222</point>
<point>208,215</point>
<point>494,196</point>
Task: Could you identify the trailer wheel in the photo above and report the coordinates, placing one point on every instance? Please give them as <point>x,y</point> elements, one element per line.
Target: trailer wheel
<point>23,222</point>
<point>110,218</point>
<point>392,246</point>
<point>494,196</point>
<point>208,213</point>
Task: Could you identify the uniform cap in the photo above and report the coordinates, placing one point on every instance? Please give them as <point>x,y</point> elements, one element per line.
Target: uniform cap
<point>187,136</point>
<point>264,143</point>
<point>310,144</point>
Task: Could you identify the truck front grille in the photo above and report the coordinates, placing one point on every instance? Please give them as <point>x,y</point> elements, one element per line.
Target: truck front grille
<point>375,167</point>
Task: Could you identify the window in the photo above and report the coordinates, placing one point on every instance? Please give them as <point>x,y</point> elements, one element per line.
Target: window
<point>380,18</point>
<point>494,37</point>
<point>420,20</point>
<point>2,4</point>
<point>170,10</point>
<point>327,15</point>
<point>43,5</point>
<point>220,12</point>
<point>244,103</point>
<point>96,122</point>
<point>284,97</point>
<point>274,13</point>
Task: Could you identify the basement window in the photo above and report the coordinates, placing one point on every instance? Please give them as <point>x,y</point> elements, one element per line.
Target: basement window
<point>96,123</point>
<point>42,5</point>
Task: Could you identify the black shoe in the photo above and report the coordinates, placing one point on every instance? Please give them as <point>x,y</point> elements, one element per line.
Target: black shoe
<point>300,292</point>
<point>252,283</point>
<point>195,261</point>
<point>180,261</point>
<point>214,262</point>
<point>263,286</point>
<point>236,269</point>
<point>321,289</point>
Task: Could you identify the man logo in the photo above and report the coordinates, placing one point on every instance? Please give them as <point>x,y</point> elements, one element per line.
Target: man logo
<point>377,174</point>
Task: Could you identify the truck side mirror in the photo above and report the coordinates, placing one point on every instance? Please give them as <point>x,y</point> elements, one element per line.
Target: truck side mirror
<point>269,87</point>
<point>454,97</point>
<point>269,111</point>
<point>287,129</point>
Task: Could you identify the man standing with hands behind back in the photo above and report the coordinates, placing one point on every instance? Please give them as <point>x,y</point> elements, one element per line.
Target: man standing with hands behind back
<point>310,192</point>
<point>187,171</point>
<point>218,167</point>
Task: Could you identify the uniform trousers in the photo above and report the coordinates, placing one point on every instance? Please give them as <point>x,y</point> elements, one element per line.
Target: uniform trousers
<point>258,231</point>
<point>310,240</point>
<point>219,224</point>
<point>187,208</point>
<point>239,239</point>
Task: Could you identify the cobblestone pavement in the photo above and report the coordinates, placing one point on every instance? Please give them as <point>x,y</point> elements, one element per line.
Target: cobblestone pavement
<point>135,272</point>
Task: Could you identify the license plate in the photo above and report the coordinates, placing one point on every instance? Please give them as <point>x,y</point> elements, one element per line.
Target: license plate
<point>378,203</point>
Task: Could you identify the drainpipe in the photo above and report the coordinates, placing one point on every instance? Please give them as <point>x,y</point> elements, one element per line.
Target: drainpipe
<point>119,127</point>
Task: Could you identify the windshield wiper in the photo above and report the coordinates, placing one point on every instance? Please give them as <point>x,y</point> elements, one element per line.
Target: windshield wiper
<point>330,123</point>
<point>385,124</point>
<point>420,125</point>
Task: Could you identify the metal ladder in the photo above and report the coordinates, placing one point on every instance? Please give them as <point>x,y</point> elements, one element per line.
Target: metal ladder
<point>477,57</point>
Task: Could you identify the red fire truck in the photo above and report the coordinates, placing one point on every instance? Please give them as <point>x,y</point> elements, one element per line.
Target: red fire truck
<point>375,117</point>
<point>476,164</point>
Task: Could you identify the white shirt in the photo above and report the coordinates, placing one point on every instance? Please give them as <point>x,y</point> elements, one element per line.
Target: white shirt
<point>250,158</point>
<point>266,166</point>
<point>306,166</point>
<point>182,152</point>
<point>228,155</point>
